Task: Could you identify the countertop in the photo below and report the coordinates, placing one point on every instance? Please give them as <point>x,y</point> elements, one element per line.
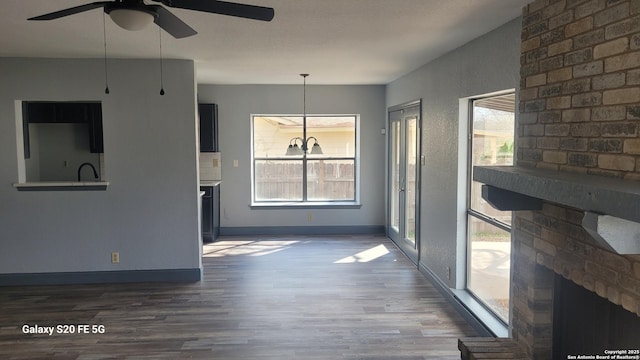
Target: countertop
<point>210,182</point>
<point>62,185</point>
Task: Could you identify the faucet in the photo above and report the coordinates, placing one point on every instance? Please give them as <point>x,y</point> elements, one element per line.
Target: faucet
<point>95,173</point>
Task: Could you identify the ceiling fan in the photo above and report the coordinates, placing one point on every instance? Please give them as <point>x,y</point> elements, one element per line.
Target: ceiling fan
<point>135,14</point>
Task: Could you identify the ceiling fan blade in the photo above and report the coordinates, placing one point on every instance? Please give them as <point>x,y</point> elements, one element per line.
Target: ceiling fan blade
<point>223,7</point>
<point>171,23</point>
<point>70,11</point>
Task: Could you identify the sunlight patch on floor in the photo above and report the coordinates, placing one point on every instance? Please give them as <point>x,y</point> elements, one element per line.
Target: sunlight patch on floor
<point>246,248</point>
<point>365,256</point>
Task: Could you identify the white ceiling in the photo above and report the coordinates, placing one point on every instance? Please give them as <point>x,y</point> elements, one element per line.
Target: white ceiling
<point>336,41</point>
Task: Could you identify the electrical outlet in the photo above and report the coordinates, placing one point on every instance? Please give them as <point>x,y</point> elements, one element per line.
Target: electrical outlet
<point>115,257</point>
<point>310,217</point>
<point>235,163</point>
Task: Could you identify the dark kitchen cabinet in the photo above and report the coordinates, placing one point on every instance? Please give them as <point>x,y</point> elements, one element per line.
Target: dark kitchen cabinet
<point>48,112</point>
<point>39,112</point>
<point>70,112</point>
<point>58,112</point>
<point>207,214</point>
<point>216,212</point>
<point>210,213</point>
<point>208,114</point>
<point>94,119</point>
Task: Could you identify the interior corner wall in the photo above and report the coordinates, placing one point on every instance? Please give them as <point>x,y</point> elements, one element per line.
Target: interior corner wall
<point>148,213</point>
<point>236,104</point>
<point>487,64</point>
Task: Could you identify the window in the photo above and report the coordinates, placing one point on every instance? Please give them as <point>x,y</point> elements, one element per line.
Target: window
<point>491,137</point>
<point>283,174</point>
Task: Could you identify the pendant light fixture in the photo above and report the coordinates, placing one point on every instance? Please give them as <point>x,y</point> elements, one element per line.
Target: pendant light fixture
<point>293,148</point>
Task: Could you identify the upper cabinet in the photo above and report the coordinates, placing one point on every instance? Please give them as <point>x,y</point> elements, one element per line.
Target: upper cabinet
<point>39,112</point>
<point>89,113</point>
<point>61,112</point>
<point>208,127</point>
<point>94,119</point>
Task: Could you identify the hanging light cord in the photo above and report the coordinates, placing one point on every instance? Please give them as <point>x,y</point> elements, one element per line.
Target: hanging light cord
<point>304,111</point>
<point>161,79</point>
<point>104,33</point>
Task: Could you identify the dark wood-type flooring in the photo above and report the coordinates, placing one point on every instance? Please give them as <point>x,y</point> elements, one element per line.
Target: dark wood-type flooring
<point>338,297</point>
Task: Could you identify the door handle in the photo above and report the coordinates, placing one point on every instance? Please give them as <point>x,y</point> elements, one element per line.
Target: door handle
<point>401,185</point>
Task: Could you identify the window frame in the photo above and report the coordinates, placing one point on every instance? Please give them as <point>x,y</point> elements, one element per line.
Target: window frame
<point>305,202</point>
<point>477,214</point>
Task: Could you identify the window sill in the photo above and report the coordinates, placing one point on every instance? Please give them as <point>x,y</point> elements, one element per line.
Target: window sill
<point>486,317</point>
<point>307,205</point>
<point>62,186</point>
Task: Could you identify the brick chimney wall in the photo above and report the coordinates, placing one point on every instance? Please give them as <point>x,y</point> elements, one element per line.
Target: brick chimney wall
<point>579,111</point>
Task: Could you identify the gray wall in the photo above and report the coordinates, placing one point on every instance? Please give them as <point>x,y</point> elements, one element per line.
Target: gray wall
<point>236,105</point>
<point>149,212</point>
<point>488,64</point>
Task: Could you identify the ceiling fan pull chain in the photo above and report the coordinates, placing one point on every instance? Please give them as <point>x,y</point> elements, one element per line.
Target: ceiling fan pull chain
<point>161,79</point>
<point>104,32</point>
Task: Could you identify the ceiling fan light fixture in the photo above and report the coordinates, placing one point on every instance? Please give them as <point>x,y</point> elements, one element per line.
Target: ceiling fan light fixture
<point>131,19</point>
<point>136,14</point>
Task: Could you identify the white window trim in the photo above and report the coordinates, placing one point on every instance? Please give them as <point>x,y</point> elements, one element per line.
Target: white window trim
<point>490,320</point>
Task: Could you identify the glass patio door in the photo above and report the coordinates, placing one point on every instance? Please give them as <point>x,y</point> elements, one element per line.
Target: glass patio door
<point>404,152</point>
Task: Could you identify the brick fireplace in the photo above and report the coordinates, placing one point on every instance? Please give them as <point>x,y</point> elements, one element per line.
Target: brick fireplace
<point>579,114</point>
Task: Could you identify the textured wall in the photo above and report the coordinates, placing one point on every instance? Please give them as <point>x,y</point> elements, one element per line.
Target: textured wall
<point>487,64</point>
<point>236,104</point>
<point>149,212</point>
<point>579,112</point>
